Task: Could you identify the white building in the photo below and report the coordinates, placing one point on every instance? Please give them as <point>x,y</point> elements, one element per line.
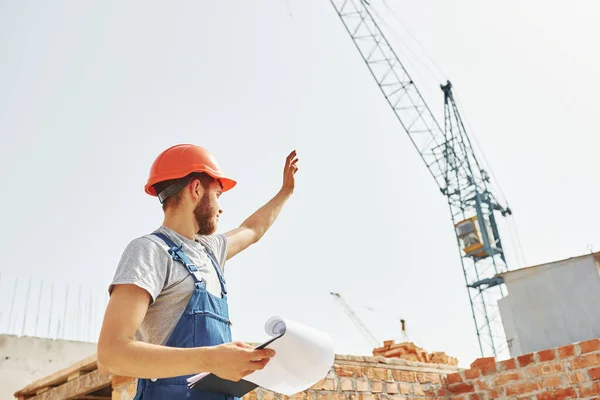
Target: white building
<point>552,304</point>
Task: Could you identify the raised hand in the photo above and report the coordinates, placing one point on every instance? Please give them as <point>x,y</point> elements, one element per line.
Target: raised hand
<point>291,166</point>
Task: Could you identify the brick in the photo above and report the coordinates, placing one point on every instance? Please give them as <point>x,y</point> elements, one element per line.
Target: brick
<point>250,396</point>
<point>525,359</point>
<point>577,377</point>
<point>428,378</point>
<point>488,369</point>
<point>418,390</point>
<point>461,397</point>
<point>325,384</point>
<point>378,374</point>
<point>585,361</point>
<point>504,378</point>
<point>558,394</point>
<point>331,396</point>
<point>487,365</point>
<point>404,376</point>
<point>429,390</point>
<point>552,381</point>
<point>377,387</point>
<point>299,396</point>
<point>362,385</point>
<point>460,388</point>
<point>472,373</point>
<point>566,351</point>
<point>523,388</point>
<point>589,389</point>
<point>267,395</point>
<point>404,388</point>
<point>348,371</point>
<point>475,396</point>
<point>483,362</point>
<point>367,396</point>
<point>481,385</point>
<point>453,378</point>
<point>508,364</point>
<point>589,346</point>
<point>391,388</point>
<point>544,369</point>
<point>547,355</point>
<point>492,394</point>
<point>347,384</point>
<point>594,373</point>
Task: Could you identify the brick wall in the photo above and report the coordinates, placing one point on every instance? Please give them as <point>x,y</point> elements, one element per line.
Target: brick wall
<point>571,371</point>
<point>351,378</point>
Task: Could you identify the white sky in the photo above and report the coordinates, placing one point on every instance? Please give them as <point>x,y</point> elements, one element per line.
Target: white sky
<point>90,93</point>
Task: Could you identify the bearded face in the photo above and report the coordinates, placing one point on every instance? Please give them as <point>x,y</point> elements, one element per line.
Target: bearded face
<point>206,214</point>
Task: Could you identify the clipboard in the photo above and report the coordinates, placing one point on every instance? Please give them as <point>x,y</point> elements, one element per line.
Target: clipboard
<point>214,384</point>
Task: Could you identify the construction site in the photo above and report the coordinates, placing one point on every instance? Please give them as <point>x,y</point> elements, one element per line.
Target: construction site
<point>531,330</point>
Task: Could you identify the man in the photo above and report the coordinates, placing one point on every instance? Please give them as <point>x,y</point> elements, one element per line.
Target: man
<point>167,317</point>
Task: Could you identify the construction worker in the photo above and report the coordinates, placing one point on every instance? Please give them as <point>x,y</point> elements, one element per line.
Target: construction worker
<point>167,317</point>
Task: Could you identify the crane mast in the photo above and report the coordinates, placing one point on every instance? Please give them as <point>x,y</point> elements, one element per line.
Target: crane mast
<point>451,161</point>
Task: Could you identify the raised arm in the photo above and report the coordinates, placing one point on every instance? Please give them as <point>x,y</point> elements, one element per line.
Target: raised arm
<point>255,226</point>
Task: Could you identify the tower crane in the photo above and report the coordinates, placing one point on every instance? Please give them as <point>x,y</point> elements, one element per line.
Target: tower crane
<point>359,324</point>
<point>452,163</point>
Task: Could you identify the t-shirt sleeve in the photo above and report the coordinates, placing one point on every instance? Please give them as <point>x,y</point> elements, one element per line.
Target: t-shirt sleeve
<point>218,245</point>
<point>144,264</point>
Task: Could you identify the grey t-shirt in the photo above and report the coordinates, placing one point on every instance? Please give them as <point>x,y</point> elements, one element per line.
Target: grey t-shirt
<point>146,263</point>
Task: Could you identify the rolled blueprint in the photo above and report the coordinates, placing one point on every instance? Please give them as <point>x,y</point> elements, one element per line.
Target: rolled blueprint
<point>303,356</point>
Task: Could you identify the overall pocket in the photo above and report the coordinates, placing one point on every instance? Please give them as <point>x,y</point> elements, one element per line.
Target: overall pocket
<point>210,329</point>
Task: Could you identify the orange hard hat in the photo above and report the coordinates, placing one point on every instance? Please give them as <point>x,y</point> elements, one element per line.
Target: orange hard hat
<point>181,160</point>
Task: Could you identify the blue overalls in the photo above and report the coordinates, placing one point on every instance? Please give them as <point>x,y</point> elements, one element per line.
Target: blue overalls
<point>205,322</point>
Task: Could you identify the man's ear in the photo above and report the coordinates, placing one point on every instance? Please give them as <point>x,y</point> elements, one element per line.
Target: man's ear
<point>197,190</point>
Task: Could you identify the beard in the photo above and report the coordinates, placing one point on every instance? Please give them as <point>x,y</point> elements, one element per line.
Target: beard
<point>205,216</point>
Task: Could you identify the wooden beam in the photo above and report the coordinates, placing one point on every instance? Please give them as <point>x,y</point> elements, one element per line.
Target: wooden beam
<point>77,388</point>
<point>87,364</point>
<point>75,375</point>
<point>42,390</point>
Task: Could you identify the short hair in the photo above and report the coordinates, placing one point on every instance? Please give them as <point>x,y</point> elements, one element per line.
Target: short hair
<point>175,198</point>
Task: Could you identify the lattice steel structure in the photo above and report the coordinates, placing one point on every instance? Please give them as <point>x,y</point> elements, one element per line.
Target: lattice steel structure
<point>449,157</point>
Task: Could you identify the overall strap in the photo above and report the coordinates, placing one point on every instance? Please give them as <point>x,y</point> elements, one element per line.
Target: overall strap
<point>178,255</point>
<point>212,258</point>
